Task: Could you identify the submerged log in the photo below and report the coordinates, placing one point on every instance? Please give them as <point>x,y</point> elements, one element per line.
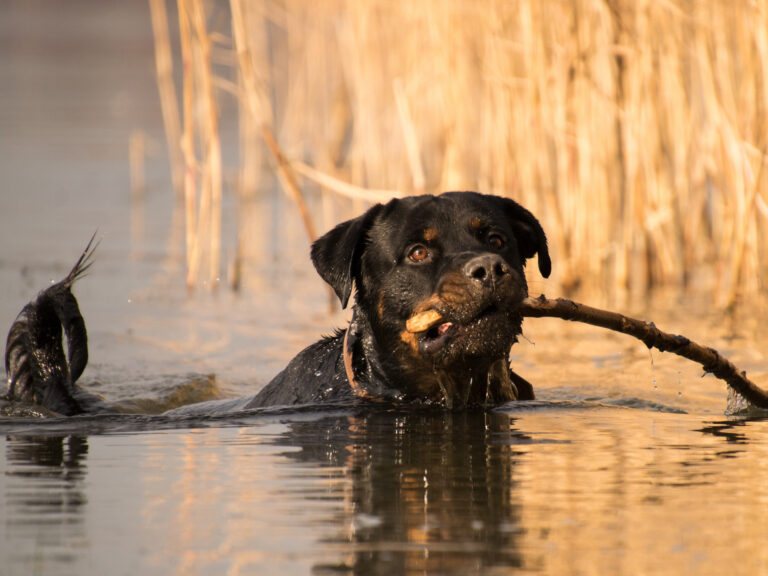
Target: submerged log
<point>710,359</point>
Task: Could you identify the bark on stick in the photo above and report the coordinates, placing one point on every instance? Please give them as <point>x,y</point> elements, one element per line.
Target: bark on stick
<point>710,359</point>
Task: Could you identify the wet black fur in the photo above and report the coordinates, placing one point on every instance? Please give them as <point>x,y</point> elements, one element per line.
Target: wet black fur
<point>370,254</point>
<point>37,368</point>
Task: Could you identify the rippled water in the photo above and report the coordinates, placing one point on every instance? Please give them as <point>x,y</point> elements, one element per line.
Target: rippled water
<point>551,489</point>
<point>627,463</point>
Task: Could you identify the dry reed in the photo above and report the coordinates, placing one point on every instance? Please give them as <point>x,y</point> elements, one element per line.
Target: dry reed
<point>257,106</point>
<point>634,130</point>
<point>188,146</point>
<point>167,91</point>
<point>137,152</point>
<point>202,179</point>
<point>209,216</point>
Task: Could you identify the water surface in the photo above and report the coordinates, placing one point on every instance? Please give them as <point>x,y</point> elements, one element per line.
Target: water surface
<point>550,490</point>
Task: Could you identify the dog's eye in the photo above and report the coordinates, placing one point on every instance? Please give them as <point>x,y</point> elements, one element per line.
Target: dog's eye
<point>418,253</point>
<point>496,242</point>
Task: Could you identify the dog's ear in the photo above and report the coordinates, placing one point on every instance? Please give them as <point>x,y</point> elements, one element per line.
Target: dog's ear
<point>529,234</point>
<point>337,254</point>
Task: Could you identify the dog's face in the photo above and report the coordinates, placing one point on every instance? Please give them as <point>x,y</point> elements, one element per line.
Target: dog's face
<point>439,280</point>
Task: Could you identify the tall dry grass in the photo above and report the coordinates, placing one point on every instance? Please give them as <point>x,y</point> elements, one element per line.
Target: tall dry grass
<point>635,130</point>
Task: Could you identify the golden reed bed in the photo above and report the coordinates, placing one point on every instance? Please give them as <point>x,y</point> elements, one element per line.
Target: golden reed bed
<point>636,131</point>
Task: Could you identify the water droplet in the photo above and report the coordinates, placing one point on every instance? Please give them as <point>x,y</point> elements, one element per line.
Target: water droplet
<point>366,521</point>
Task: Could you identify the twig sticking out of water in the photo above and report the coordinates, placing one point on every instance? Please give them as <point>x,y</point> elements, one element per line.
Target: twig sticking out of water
<point>652,337</point>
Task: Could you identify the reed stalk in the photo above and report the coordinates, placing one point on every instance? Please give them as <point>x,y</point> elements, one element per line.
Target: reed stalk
<point>410,137</point>
<point>213,181</point>
<point>258,107</point>
<point>344,188</point>
<point>202,178</point>
<point>137,151</point>
<point>167,91</point>
<point>188,146</point>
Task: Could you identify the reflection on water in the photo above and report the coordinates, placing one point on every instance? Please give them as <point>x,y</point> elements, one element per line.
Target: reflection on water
<point>425,492</point>
<point>44,482</point>
<point>552,490</point>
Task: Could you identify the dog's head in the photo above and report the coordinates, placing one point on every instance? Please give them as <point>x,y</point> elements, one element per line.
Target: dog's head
<point>438,283</point>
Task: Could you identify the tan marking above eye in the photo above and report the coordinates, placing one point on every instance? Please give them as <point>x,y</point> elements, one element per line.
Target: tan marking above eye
<point>430,234</point>
<point>476,224</point>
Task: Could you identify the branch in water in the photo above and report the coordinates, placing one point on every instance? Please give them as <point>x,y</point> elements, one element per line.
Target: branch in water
<point>652,337</point>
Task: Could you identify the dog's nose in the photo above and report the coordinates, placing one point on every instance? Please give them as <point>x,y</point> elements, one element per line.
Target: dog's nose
<point>486,269</point>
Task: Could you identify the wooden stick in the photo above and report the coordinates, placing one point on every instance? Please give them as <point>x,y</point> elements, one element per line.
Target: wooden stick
<point>652,337</point>
<point>423,321</point>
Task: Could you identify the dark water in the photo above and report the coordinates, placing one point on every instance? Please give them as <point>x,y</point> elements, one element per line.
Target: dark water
<point>627,464</point>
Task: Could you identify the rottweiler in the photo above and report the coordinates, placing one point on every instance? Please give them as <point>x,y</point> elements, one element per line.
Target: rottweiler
<point>437,283</point>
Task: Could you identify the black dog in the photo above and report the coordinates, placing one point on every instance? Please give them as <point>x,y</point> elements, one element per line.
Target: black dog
<point>438,283</point>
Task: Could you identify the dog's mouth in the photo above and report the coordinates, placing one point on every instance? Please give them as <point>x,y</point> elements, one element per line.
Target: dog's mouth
<point>434,332</point>
<point>437,336</point>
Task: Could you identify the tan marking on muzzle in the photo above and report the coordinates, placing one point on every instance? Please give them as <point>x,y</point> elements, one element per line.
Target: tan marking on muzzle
<point>410,339</point>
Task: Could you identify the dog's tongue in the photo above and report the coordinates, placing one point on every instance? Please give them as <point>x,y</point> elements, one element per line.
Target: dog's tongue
<point>444,327</point>
<point>436,337</point>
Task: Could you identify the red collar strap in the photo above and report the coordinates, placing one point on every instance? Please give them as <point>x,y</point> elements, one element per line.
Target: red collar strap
<point>353,383</point>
